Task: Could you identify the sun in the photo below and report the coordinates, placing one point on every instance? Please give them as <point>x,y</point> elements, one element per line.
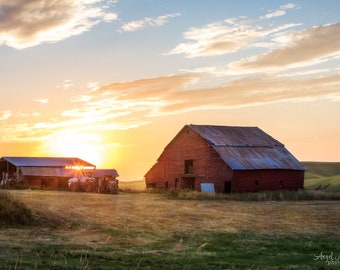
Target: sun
<point>84,146</point>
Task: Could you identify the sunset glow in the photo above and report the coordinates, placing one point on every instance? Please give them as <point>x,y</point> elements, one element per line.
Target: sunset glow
<point>112,82</point>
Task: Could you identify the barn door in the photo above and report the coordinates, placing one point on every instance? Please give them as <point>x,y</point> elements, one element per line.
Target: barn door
<point>188,183</point>
<point>227,187</point>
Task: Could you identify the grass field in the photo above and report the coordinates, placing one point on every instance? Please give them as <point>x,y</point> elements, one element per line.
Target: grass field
<point>148,231</point>
<point>322,174</point>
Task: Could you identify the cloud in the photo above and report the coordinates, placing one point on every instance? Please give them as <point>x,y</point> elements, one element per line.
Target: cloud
<point>278,13</point>
<point>231,35</point>
<point>252,91</point>
<point>4,115</point>
<point>217,38</point>
<point>131,104</point>
<point>42,100</point>
<point>288,6</point>
<point>117,106</point>
<point>139,100</point>
<point>306,47</point>
<point>29,23</point>
<point>93,85</point>
<point>147,22</point>
<point>225,37</point>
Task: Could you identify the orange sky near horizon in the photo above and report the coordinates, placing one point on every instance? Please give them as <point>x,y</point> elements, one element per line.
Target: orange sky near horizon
<point>112,82</point>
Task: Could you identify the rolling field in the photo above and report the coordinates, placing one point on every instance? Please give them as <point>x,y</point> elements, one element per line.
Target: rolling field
<point>322,174</point>
<point>149,231</point>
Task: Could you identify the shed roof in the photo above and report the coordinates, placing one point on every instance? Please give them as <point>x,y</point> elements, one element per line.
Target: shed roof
<point>247,148</point>
<point>47,161</point>
<point>105,172</point>
<point>43,171</point>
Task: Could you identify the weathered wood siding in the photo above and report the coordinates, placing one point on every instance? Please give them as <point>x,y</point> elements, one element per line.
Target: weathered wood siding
<point>257,180</point>
<point>41,182</point>
<point>207,165</point>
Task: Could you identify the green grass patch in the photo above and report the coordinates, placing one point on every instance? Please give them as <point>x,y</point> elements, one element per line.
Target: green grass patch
<point>332,182</point>
<point>199,249</point>
<point>325,169</point>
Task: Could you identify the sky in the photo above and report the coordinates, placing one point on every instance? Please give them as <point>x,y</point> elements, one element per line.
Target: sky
<point>113,82</point>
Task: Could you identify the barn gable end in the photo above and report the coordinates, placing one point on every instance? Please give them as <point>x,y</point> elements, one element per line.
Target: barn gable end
<point>238,159</point>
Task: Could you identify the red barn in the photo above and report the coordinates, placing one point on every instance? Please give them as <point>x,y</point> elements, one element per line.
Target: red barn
<point>225,159</point>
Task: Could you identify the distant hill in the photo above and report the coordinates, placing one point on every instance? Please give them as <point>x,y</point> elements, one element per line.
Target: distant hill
<point>322,174</point>
<point>132,185</point>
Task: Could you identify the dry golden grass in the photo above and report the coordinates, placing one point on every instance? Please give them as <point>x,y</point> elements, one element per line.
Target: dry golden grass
<point>77,213</point>
<point>137,185</point>
<point>86,230</point>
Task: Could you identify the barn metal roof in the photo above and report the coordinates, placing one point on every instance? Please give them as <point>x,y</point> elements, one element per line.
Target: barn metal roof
<point>249,158</point>
<point>47,161</point>
<point>247,148</point>
<point>235,136</point>
<point>105,172</point>
<point>43,171</point>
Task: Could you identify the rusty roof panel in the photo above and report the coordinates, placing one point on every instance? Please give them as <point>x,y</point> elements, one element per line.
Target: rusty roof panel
<point>43,171</point>
<point>247,148</point>
<point>257,158</point>
<point>105,172</point>
<point>235,136</point>
<point>47,161</point>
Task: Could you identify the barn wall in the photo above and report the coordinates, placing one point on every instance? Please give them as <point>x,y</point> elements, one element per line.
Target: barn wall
<point>207,167</point>
<point>41,182</point>
<point>62,183</point>
<point>257,180</point>
<point>32,181</point>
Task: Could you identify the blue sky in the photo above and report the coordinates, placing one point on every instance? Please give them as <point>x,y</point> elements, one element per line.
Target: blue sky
<point>114,81</point>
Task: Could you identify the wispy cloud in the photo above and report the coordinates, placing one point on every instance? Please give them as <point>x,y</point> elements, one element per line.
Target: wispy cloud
<point>128,105</point>
<point>217,38</point>
<point>225,37</point>
<point>67,84</point>
<point>231,35</point>
<point>93,85</point>
<point>302,48</point>
<point>4,115</point>
<point>147,22</point>
<point>28,23</point>
<point>280,12</point>
<point>138,100</point>
<point>305,48</point>
<point>42,100</point>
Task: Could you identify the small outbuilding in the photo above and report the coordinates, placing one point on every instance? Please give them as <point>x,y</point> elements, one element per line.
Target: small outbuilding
<point>41,172</point>
<point>225,159</point>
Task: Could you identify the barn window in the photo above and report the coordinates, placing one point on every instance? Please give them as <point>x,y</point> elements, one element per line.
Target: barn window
<point>257,183</point>
<point>166,184</point>
<point>188,166</point>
